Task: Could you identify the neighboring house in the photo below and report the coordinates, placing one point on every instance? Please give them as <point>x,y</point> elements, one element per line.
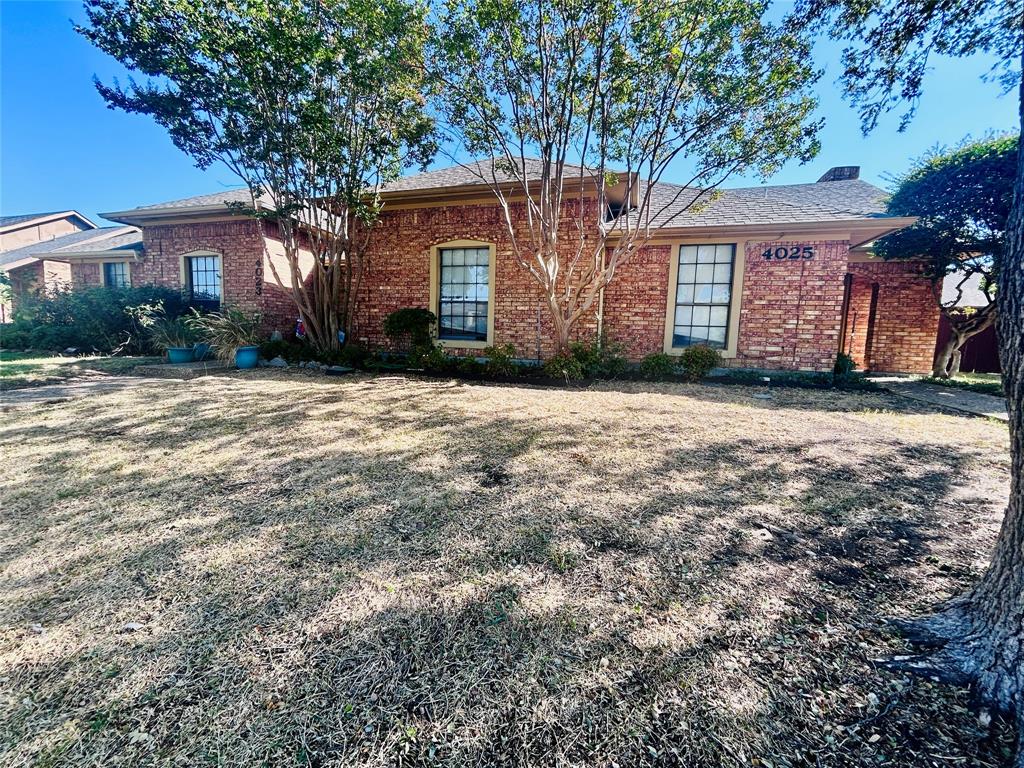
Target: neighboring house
<point>776,277</point>
<point>64,239</point>
<point>981,353</point>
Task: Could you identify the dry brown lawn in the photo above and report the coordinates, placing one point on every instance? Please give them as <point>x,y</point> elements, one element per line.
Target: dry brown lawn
<point>277,569</point>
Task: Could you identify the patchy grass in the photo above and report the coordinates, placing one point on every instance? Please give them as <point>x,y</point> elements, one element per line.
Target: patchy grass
<point>21,369</point>
<point>985,383</point>
<point>278,569</point>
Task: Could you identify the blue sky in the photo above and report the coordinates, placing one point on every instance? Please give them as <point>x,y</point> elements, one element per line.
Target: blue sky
<point>60,147</point>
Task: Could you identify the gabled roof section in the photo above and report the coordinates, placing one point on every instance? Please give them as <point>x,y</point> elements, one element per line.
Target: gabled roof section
<point>89,241</point>
<point>221,203</point>
<point>20,221</point>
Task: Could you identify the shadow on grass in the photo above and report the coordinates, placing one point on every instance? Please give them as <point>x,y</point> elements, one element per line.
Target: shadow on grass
<point>389,574</point>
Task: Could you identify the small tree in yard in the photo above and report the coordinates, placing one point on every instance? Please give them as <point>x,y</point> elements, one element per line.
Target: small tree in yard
<point>963,199</point>
<point>622,88</point>
<point>314,104</point>
<point>978,638</point>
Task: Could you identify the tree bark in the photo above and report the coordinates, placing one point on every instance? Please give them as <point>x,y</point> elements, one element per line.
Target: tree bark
<point>979,636</point>
<point>962,329</point>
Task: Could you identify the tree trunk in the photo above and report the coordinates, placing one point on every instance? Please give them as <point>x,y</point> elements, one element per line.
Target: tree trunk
<point>980,636</point>
<point>940,370</point>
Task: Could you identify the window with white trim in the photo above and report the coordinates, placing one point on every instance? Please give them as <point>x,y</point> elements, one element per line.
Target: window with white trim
<point>115,274</point>
<point>204,280</point>
<point>464,294</point>
<point>703,295</point>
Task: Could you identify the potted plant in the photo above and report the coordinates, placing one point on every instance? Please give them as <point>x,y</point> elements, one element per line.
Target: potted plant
<point>173,335</point>
<point>234,335</point>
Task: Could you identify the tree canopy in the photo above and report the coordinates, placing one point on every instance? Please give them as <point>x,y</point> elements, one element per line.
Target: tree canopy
<point>312,103</point>
<point>962,198</point>
<point>609,93</point>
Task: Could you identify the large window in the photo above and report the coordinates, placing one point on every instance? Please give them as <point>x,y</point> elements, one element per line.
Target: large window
<point>703,295</point>
<point>115,274</point>
<point>204,281</point>
<point>464,293</point>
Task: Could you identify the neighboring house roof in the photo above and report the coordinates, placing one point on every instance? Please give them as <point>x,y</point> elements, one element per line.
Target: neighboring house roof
<point>99,240</point>
<point>23,220</point>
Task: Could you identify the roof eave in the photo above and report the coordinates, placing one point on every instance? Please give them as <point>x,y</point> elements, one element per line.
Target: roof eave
<point>45,218</point>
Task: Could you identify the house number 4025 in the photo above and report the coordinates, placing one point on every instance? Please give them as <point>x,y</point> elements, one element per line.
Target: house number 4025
<point>791,253</point>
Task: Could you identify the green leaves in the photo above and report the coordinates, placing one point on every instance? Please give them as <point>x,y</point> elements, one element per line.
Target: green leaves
<point>962,198</point>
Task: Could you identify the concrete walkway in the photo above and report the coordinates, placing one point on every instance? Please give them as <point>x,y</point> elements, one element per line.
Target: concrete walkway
<point>974,403</point>
<point>73,388</point>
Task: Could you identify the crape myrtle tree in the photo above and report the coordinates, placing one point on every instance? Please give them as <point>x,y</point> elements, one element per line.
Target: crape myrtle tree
<point>575,106</point>
<point>314,104</point>
<point>962,199</point>
<point>977,638</point>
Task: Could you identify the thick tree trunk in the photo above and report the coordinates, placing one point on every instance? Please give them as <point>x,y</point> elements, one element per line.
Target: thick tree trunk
<point>962,329</point>
<point>980,636</point>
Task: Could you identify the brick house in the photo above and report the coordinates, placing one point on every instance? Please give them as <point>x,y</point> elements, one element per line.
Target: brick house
<point>776,277</point>
<point>37,252</point>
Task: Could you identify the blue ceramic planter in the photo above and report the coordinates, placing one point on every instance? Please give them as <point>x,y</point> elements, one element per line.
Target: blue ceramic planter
<point>178,355</point>
<point>247,357</point>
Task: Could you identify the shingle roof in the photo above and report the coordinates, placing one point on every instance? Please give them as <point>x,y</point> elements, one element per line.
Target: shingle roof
<point>794,203</point>
<point>784,204</point>
<point>8,221</point>
<point>470,174</point>
<point>226,197</point>
<point>87,240</point>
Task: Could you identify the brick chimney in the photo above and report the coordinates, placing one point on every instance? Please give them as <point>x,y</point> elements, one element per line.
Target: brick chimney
<point>841,173</point>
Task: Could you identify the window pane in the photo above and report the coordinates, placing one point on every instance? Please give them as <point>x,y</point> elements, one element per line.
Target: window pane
<point>205,279</point>
<point>115,274</point>
<point>464,293</point>
<point>703,293</point>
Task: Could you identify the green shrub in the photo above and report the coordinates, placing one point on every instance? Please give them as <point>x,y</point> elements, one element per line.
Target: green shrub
<point>100,319</point>
<point>353,356</point>
<point>429,357</point>
<point>501,360</point>
<point>698,361</point>
<point>470,366</point>
<point>606,358</point>
<point>845,365</point>
<point>411,327</point>
<point>564,366</point>
<point>659,366</point>
<point>166,331</point>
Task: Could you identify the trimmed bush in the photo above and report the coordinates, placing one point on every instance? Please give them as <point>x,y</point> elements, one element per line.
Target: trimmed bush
<point>410,328</point>
<point>606,359</point>
<point>564,366</point>
<point>97,319</point>
<point>500,360</point>
<point>659,366</point>
<point>698,361</point>
<point>844,365</point>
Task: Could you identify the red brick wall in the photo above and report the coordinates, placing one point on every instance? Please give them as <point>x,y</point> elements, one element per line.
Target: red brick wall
<point>240,244</point>
<point>635,302</point>
<point>791,309</point>
<point>906,318</point>
<point>86,275</point>
<point>398,275</point>
<point>858,315</point>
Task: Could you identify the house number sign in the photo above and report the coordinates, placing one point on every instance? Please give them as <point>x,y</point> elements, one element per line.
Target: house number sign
<point>789,253</point>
